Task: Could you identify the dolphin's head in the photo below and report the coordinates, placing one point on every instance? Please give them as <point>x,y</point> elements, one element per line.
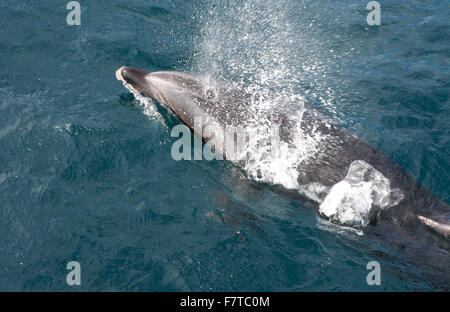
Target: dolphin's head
<point>171,89</point>
<point>135,78</point>
<point>187,95</point>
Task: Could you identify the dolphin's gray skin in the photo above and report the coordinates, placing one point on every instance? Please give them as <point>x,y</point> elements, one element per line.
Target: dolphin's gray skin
<point>441,228</point>
<point>405,225</point>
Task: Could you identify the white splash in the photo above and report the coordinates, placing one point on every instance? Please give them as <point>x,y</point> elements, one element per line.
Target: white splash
<point>357,199</point>
<point>255,44</point>
<point>147,104</point>
<point>276,162</point>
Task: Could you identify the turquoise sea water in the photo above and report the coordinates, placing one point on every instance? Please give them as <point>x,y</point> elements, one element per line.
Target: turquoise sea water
<point>86,175</point>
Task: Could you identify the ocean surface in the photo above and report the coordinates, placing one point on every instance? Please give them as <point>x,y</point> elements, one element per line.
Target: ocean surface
<point>86,172</point>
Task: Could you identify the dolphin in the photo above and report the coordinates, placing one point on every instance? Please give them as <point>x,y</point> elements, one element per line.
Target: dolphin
<point>345,172</point>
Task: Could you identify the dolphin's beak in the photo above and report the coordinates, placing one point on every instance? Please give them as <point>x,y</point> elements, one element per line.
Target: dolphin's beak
<point>131,75</point>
